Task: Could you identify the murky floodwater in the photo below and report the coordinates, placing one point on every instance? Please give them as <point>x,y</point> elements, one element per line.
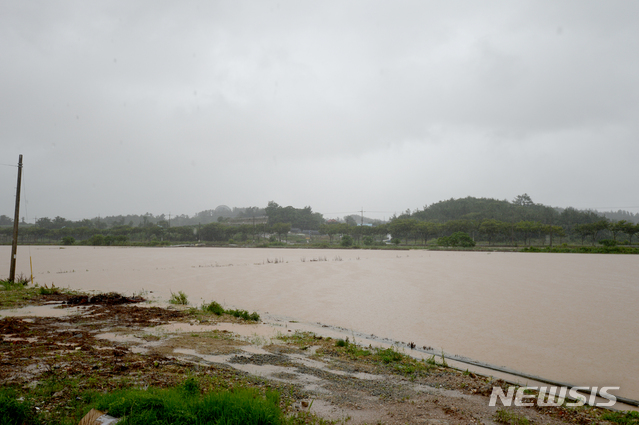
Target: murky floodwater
<point>567,317</point>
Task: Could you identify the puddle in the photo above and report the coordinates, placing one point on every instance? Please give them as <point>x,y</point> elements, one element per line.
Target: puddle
<point>46,310</point>
<point>121,338</point>
<point>243,330</point>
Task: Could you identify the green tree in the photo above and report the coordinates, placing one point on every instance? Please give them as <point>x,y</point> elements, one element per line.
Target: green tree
<point>213,232</point>
<point>632,230</point>
<point>281,229</point>
<point>582,230</point>
<point>490,228</point>
<point>620,226</point>
<point>346,241</point>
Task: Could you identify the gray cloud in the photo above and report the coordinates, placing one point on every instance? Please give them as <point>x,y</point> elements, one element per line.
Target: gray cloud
<point>124,107</point>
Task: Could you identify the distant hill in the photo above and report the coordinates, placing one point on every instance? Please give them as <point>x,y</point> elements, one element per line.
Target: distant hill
<point>522,208</point>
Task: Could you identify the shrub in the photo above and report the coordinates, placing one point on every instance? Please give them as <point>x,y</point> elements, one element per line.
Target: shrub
<point>368,240</point>
<point>608,242</point>
<point>213,307</point>
<point>243,314</point>
<point>346,241</point>
<point>68,240</point>
<point>456,239</point>
<point>97,240</point>
<point>341,343</point>
<point>179,298</point>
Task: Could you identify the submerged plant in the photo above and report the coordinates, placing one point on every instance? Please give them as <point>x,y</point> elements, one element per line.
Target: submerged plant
<point>179,298</point>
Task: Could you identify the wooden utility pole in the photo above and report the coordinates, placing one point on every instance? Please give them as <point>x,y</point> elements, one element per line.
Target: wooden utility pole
<point>16,219</point>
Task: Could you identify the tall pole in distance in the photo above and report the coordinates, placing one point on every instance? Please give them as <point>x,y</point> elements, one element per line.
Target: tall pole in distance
<point>16,219</point>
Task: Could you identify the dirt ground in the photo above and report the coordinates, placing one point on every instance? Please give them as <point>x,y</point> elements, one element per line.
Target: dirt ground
<point>101,343</point>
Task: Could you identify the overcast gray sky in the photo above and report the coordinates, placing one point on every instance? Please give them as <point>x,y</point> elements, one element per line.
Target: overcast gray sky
<point>176,107</point>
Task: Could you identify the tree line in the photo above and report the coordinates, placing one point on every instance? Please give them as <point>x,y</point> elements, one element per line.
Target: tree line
<point>484,220</point>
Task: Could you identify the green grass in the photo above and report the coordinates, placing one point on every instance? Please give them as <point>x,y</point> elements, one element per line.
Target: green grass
<point>215,308</point>
<point>624,418</point>
<point>14,411</point>
<point>17,294</point>
<point>180,298</point>
<point>510,418</point>
<point>185,405</point>
<point>20,281</point>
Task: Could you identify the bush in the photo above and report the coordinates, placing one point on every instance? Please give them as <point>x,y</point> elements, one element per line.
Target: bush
<point>608,242</point>
<point>179,298</point>
<point>368,240</point>
<point>396,241</point>
<point>97,240</point>
<point>214,307</point>
<point>243,314</point>
<point>68,240</point>
<point>346,241</point>
<point>456,239</point>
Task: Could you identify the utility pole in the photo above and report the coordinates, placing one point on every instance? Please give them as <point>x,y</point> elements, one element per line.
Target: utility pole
<point>16,219</point>
<point>362,223</point>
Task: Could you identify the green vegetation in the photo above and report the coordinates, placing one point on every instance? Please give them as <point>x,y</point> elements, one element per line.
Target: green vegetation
<point>455,223</point>
<point>388,358</point>
<point>14,411</point>
<point>243,314</point>
<point>185,405</point>
<point>346,241</point>
<point>19,282</point>
<point>215,308</point>
<point>460,239</point>
<point>510,418</point>
<point>584,249</point>
<point>180,298</point>
<point>68,240</point>
<point>624,418</point>
<point>17,294</point>
<point>300,218</point>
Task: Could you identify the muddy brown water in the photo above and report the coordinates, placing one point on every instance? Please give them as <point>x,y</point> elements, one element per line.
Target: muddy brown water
<point>567,317</point>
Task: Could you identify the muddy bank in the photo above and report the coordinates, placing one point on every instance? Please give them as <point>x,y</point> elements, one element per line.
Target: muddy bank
<point>101,344</point>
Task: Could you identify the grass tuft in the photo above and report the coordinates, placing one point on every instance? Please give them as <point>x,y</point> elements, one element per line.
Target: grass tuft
<point>624,418</point>
<point>510,418</point>
<point>19,282</point>
<point>14,411</point>
<point>180,298</point>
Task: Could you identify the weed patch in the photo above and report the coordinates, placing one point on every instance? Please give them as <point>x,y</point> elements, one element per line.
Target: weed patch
<point>624,418</point>
<point>14,411</point>
<point>510,418</point>
<point>215,308</point>
<point>180,298</point>
<point>185,405</point>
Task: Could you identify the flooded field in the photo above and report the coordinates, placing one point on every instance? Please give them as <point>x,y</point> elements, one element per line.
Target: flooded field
<point>567,317</point>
